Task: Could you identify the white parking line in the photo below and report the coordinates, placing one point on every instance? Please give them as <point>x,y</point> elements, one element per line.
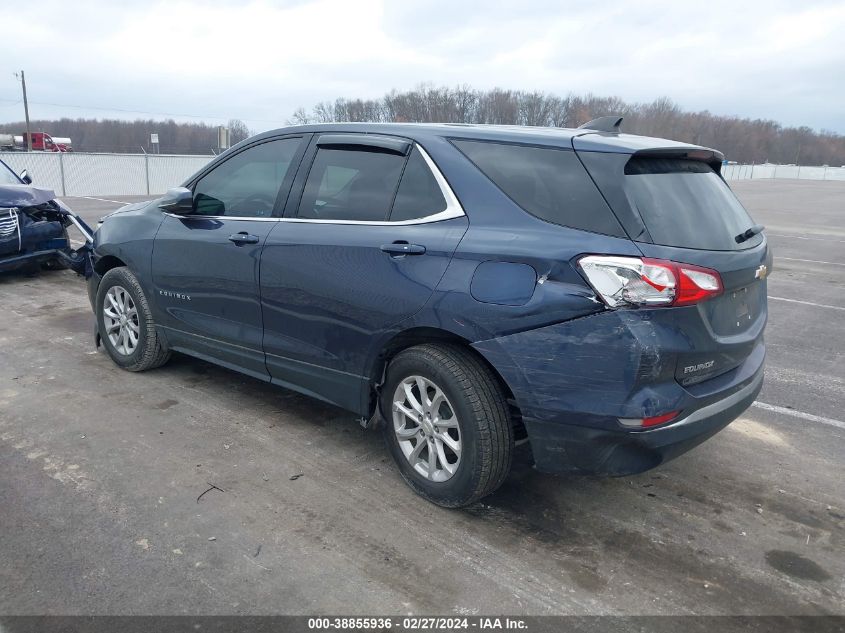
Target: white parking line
<point>799,414</point>
<point>812,261</point>
<point>104,200</point>
<point>807,303</point>
<point>800,237</point>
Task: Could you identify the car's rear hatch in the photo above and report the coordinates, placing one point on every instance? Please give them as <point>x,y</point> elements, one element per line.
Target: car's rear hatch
<point>675,206</point>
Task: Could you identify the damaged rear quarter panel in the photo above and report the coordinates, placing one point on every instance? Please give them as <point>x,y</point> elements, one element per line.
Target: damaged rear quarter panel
<point>585,371</point>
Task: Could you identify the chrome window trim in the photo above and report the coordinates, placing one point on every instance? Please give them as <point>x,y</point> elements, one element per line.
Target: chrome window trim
<point>453,207</point>
<point>219,217</point>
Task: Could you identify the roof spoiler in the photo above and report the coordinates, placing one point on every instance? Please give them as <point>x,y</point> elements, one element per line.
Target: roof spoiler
<point>604,124</point>
<point>712,157</point>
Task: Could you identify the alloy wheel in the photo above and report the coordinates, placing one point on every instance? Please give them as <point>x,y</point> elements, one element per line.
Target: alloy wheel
<point>120,317</point>
<point>427,429</point>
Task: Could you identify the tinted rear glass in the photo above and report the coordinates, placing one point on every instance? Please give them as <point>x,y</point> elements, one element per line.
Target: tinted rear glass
<point>548,183</point>
<point>685,203</point>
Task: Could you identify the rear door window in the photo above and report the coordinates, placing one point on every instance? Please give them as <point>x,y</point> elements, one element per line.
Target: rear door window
<point>685,203</point>
<point>351,184</point>
<point>548,183</point>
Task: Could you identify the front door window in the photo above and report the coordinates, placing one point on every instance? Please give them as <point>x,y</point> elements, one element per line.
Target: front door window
<point>247,184</point>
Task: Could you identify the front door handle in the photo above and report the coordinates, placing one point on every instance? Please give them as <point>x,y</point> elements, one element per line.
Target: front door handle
<point>243,238</point>
<point>403,248</point>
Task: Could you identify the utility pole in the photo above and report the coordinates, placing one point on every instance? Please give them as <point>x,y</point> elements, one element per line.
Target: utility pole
<point>26,114</point>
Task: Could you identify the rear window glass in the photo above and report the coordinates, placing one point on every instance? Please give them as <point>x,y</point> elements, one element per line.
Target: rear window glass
<point>685,203</point>
<point>548,183</point>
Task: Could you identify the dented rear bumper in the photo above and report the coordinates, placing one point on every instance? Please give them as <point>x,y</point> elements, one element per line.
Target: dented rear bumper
<point>570,448</point>
<point>573,381</point>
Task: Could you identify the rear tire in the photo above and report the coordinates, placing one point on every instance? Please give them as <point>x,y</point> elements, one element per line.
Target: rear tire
<point>125,323</point>
<point>447,424</point>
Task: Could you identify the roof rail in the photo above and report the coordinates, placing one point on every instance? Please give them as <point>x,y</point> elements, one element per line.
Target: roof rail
<point>604,124</point>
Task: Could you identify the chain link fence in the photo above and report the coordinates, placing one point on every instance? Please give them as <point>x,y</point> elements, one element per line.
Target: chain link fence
<point>76,174</point>
<point>796,172</point>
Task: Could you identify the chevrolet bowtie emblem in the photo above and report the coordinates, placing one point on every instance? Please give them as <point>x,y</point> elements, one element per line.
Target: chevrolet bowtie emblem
<point>761,272</point>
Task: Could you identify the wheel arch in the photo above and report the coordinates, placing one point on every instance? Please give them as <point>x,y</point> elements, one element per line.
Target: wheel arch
<point>423,334</point>
<point>106,263</point>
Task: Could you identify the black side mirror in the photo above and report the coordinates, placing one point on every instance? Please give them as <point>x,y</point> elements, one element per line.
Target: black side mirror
<point>178,200</point>
<point>27,179</point>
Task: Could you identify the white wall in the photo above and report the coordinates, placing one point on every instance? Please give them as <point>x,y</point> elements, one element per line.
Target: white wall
<point>76,174</point>
<point>802,172</point>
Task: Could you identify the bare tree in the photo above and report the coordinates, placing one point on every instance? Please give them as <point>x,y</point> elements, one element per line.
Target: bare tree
<point>110,135</point>
<point>299,117</point>
<point>238,131</point>
<point>744,140</point>
<point>741,139</point>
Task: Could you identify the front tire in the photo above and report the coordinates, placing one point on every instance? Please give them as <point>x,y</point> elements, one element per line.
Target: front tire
<point>125,323</point>
<point>447,424</point>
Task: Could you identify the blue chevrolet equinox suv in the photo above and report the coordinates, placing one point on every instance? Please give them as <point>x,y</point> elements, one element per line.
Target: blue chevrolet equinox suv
<point>467,288</point>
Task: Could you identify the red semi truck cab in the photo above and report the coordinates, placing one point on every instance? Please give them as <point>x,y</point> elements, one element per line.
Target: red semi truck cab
<point>43,142</point>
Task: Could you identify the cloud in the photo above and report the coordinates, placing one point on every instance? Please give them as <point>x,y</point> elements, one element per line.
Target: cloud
<point>258,60</point>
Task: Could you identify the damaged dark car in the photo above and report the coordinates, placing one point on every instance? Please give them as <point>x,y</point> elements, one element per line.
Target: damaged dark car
<point>34,227</point>
<point>598,294</point>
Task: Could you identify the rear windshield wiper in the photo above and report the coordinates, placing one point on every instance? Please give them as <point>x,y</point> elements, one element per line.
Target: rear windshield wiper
<point>748,234</point>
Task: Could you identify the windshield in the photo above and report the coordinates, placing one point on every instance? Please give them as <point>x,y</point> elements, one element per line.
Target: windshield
<point>7,176</point>
<point>685,203</point>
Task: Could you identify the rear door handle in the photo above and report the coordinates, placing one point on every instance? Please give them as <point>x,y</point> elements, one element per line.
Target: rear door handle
<point>403,248</point>
<point>243,238</point>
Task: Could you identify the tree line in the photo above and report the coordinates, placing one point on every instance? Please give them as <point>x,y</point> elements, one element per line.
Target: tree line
<point>743,140</point>
<point>113,135</point>
<point>740,139</point>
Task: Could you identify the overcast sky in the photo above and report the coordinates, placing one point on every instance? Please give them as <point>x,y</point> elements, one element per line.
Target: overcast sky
<point>260,60</point>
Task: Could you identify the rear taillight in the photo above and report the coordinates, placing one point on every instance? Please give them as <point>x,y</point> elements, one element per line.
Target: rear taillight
<point>634,281</point>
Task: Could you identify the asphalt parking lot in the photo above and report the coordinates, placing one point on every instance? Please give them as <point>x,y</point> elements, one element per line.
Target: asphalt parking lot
<point>102,475</point>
